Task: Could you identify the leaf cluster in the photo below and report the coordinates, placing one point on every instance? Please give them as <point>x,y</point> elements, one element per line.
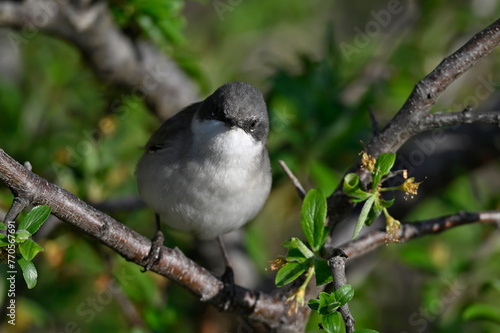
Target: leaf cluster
<point>26,246</point>
<point>373,202</point>
<point>301,257</point>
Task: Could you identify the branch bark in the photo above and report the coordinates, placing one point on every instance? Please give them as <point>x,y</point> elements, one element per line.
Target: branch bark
<point>414,117</point>
<point>337,267</point>
<point>138,66</point>
<point>410,230</point>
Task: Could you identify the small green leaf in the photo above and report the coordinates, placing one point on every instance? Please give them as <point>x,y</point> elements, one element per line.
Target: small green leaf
<point>322,271</point>
<point>290,272</point>
<point>387,203</point>
<point>29,272</point>
<point>327,303</point>
<point>351,188</point>
<point>35,218</point>
<point>22,235</point>
<point>4,240</point>
<point>344,294</point>
<point>382,167</point>
<point>313,217</point>
<point>287,243</point>
<point>313,304</point>
<point>365,330</point>
<point>29,249</point>
<point>3,226</point>
<point>332,322</point>
<point>482,312</point>
<point>298,251</point>
<point>363,215</point>
<point>374,212</point>
<point>298,244</point>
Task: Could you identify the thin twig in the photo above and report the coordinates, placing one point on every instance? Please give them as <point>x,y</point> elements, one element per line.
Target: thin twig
<point>443,119</point>
<point>337,268</point>
<point>410,230</point>
<point>300,190</point>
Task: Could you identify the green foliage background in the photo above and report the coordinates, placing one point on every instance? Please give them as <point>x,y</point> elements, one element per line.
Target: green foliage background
<point>56,113</point>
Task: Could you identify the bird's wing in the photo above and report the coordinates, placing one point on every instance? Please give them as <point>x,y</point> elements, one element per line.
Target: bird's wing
<point>172,128</point>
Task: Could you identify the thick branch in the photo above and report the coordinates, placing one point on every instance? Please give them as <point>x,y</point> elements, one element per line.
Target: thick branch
<point>134,247</point>
<point>410,230</point>
<point>417,106</point>
<point>136,65</point>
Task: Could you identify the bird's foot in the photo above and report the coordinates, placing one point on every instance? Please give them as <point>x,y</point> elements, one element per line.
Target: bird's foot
<point>229,288</point>
<point>154,254</point>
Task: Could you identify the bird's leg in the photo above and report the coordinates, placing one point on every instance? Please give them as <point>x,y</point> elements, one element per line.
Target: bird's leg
<point>154,254</point>
<point>227,277</point>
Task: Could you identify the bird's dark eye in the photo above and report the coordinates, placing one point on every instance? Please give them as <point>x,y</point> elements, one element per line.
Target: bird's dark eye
<point>253,125</point>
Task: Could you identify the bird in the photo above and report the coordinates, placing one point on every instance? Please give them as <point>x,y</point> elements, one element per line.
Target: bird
<point>207,170</point>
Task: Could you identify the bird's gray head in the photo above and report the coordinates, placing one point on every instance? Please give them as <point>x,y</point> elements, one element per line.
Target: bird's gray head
<point>238,104</point>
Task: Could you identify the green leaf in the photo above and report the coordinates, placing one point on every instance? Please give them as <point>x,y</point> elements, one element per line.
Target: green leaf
<point>326,231</point>
<point>3,226</point>
<point>374,212</point>
<point>332,322</point>
<point>365,330</point>
<point>344,294</point>
<point>327,303</point>
<point>363,215</point>
<point>290,272</point>
<point>298,251</point>
<point>4,240</point>
<point>287,243</point>
<point>322,271</point>
<point>313,217</point>
<point>482,312</point>
<point>387,203</point>
<point>313,304</point>
<point>22,235</point>
<point>382,167</point>
<point>352,188</point>
<point>29,272</point>
<point>35,218</point>
<point>29,249</point>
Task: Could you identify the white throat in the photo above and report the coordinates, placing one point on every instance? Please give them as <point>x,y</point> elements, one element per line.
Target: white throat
<point>216,139</point>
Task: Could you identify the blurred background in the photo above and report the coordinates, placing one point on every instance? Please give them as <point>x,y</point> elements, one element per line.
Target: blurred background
<point>320,64</point>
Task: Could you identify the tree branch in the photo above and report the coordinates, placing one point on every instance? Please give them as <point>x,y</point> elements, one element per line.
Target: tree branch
<point>337,267</point>
<point>443,119</point>
<point>410,230</point>
<point>416,108</point>
<point>138,66</point>
<point>134,247</point>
